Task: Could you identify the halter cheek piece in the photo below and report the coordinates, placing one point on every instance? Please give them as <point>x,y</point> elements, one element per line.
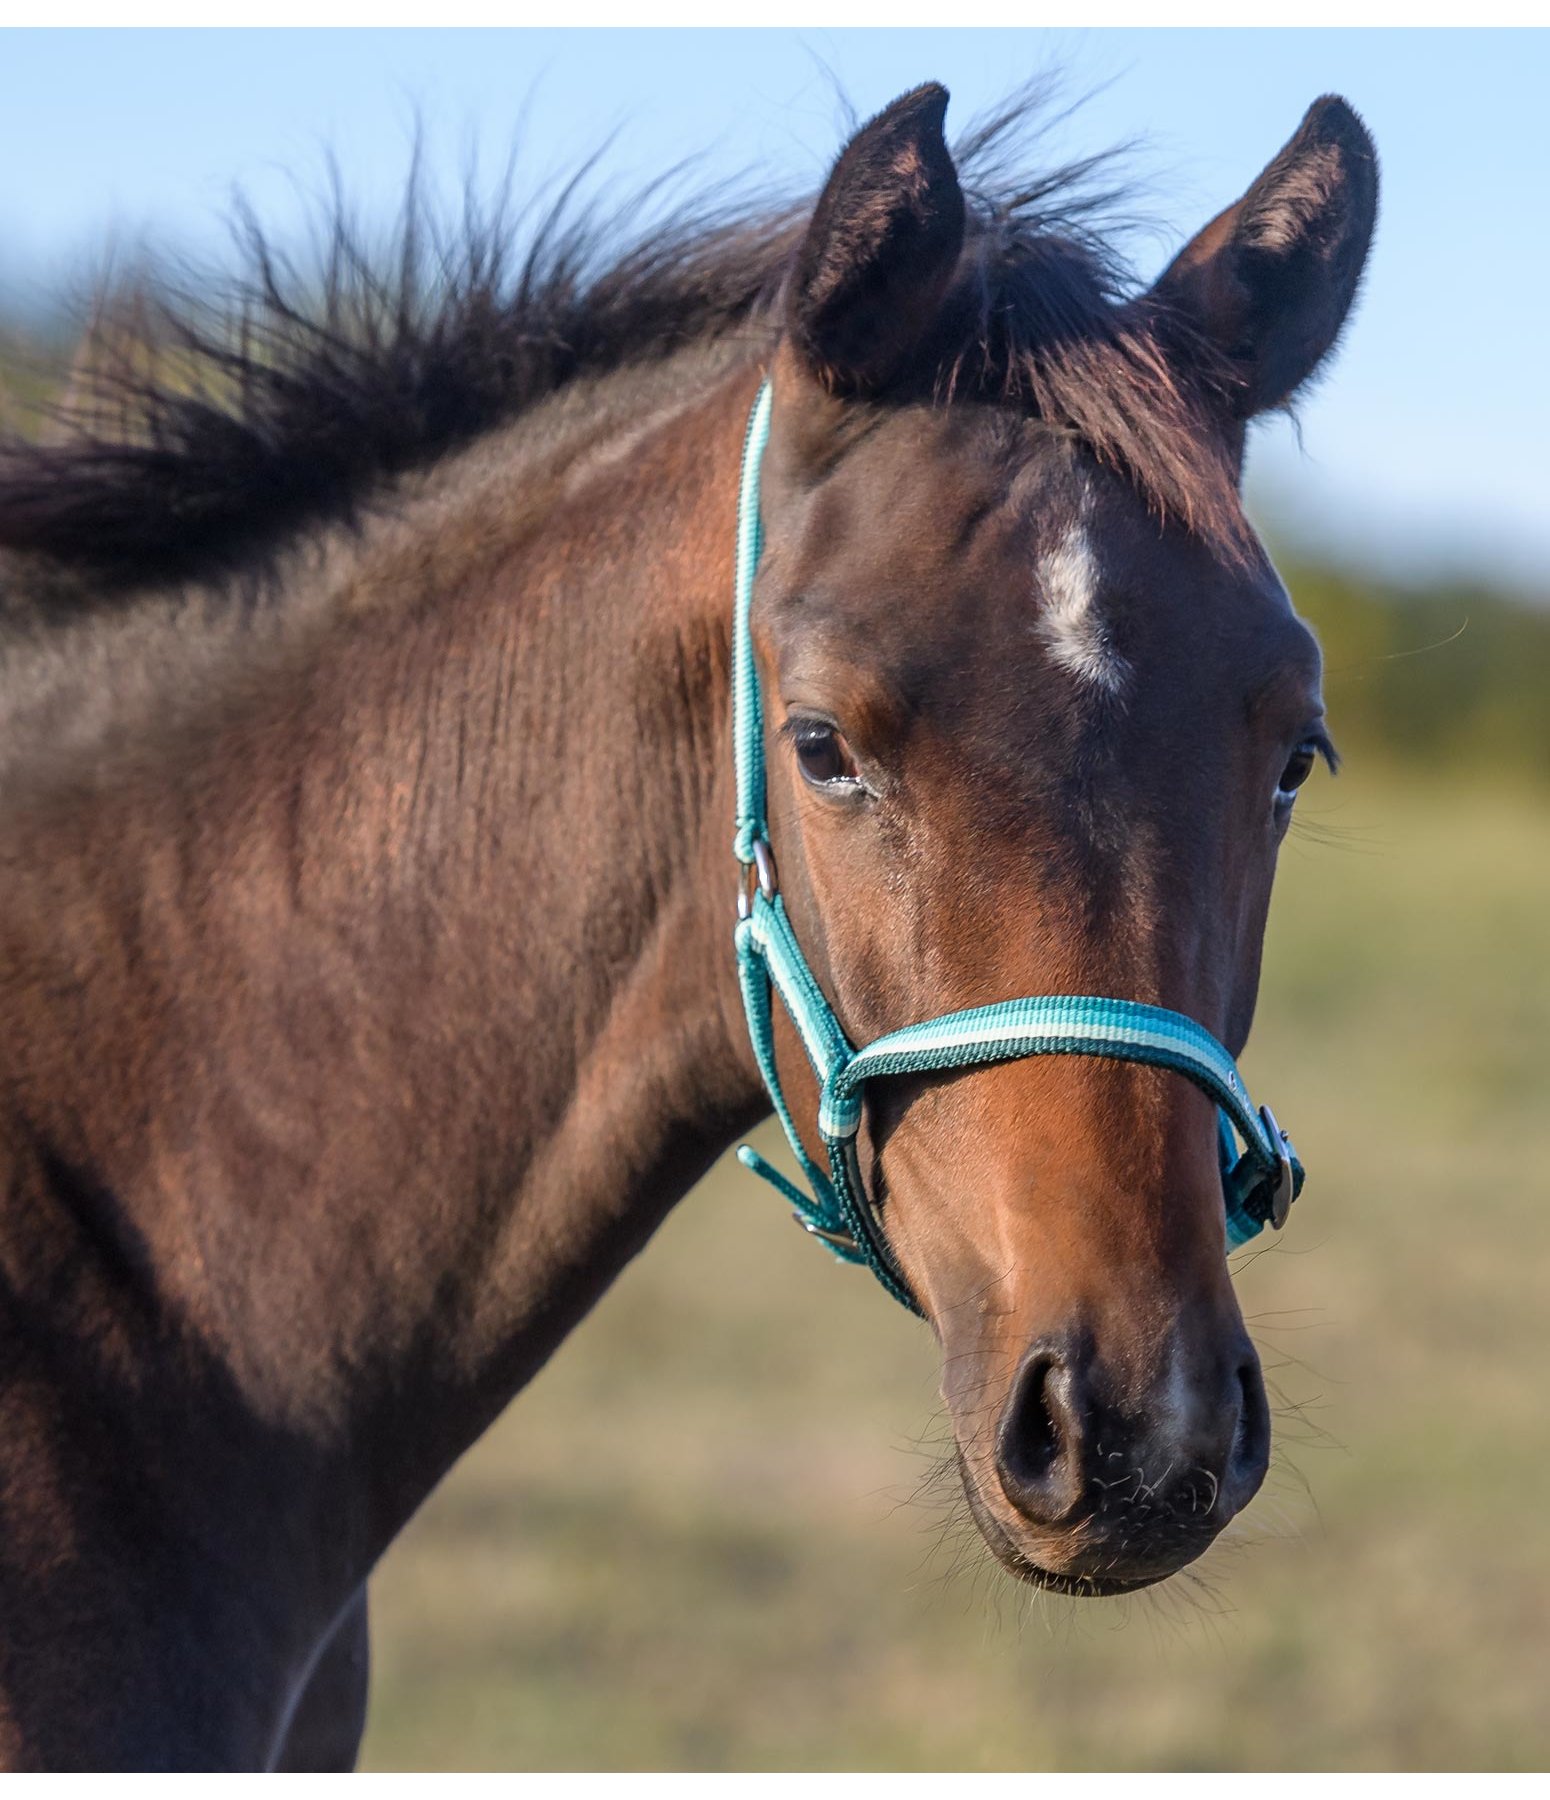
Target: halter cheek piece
<point>1260,1173</point>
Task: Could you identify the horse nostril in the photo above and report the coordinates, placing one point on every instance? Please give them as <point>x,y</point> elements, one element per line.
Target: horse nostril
<point>1039,1447</point>
<point>1250,1454</point>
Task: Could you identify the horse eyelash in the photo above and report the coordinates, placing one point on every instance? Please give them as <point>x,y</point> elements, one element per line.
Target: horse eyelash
<point>796,722</point>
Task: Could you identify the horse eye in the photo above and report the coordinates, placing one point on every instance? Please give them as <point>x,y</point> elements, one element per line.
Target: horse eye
<point>822,755</point>
<point>1296,771</point>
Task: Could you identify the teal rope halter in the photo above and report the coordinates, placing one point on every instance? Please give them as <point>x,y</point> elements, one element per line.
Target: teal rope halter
<point>1260,1180</point>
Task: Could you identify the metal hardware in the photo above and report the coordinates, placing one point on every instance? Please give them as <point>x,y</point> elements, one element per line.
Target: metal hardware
<point>1286,1181</point>
<point>761,870</point>
<point>842,1240</point>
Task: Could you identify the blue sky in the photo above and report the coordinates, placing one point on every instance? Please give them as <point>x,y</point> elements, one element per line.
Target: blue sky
<point>1424,450</point>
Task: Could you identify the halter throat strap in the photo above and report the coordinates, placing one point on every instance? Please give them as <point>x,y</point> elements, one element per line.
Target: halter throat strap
<point>1261,1175</point>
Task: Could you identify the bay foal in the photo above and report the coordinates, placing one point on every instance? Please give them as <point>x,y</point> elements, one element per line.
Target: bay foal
<point>366,987</point>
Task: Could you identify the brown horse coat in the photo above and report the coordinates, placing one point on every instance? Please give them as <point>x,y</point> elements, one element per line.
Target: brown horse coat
<point>366,991</point>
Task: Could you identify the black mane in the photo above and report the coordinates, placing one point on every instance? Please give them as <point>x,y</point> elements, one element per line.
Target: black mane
<point>200,432</point>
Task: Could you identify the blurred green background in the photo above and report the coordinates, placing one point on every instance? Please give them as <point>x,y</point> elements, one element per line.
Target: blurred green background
<point>712,1536</point>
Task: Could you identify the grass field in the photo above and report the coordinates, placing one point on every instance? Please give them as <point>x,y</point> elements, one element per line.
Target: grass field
<point>697,1541</point>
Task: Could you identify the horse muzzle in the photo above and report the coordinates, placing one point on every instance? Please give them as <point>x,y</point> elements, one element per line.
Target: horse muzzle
<point>1091,1484</point>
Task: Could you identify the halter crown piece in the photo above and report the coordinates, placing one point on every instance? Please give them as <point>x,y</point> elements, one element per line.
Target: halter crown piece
<point>1261,1175</point>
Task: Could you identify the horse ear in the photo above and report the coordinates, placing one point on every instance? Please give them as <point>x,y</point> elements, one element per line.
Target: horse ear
<point>1269,282</point>
<point>881,248</point>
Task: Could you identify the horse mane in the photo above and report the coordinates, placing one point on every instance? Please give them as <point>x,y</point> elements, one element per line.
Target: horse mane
<point>205,425</point>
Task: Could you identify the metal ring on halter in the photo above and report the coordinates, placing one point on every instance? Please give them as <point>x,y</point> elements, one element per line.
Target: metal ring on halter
<point>1286,1180</point>
<point>763,870</point>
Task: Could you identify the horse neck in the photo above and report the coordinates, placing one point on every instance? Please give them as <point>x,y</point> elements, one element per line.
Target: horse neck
<point>416,1009</point>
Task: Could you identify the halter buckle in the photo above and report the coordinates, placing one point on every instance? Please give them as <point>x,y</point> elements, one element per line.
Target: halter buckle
<point>1286,1180</point>
<point>840,1240</point>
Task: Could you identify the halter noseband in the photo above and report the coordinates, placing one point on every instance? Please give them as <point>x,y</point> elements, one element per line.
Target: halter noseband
<point>1259,1182</point>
